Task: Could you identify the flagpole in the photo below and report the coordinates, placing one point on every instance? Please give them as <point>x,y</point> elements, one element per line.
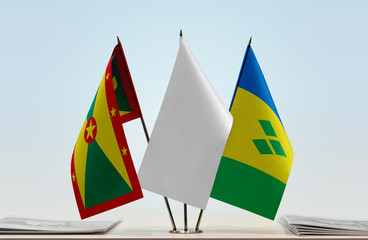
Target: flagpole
<point>170,214</point>
<point>199,220</point>
<point>241,69</point>
<point>185,218</point>
<point>165,198</point>
<point>147,138</point>
<point>185,205</point>
<point>144,128</point>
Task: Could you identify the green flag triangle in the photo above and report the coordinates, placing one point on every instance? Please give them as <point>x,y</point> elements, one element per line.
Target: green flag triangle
<point>103,182</point>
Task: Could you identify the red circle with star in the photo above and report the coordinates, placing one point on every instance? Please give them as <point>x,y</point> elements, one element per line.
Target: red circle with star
<point>90,131</point>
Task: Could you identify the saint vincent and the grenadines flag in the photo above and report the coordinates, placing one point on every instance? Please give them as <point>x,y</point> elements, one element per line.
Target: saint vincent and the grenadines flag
<point>102,170</point>
<point>257,158</point>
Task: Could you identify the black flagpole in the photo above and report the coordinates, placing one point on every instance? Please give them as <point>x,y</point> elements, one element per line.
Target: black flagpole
<point>199,220</point>
<point>147,138</point>
<point>185,205</point>
<point>165,198</point>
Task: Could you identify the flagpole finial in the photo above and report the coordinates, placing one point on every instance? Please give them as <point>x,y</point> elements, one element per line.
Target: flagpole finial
<point>250,41</point>
<point>118,39</point>
<point>181,33</point>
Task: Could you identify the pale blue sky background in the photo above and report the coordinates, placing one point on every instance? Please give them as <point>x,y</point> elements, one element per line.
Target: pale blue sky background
<point>313,55</point>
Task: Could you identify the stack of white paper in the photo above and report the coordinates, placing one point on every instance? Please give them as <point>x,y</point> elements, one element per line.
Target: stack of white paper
<point>322,226</point>
<point>43,226</point>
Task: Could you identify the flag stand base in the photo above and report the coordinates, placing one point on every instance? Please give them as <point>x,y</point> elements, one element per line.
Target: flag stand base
<point>182,231</point>
<point>185,230</point>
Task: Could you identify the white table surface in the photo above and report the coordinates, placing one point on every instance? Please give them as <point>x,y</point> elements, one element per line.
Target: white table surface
<point>214,226</point>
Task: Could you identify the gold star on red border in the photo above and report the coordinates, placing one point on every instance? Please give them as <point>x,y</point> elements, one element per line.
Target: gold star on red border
<point>124,151</point>
<point>113,112</point>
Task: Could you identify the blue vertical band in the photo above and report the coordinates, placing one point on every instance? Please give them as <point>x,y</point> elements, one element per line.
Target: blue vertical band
<point>240,74</point>
<point>252,80</point>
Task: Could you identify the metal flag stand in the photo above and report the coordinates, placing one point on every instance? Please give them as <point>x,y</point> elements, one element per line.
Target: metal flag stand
<point>174,229</point>
<point>186,230</point>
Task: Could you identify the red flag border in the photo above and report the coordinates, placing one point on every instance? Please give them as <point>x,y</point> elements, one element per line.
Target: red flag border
<point>128,85</point>
<point>121,140</point>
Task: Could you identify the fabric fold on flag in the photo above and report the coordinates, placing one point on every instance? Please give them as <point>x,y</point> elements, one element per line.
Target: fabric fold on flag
<point>188,138</point>
<point>102,170</point>
<point>258,156</point>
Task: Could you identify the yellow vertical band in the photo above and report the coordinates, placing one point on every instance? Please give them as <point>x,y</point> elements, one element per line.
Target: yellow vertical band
<point>106,138</point>
<point>247,110</point>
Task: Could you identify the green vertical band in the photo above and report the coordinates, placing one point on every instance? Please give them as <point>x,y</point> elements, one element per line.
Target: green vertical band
<point>248,188</point>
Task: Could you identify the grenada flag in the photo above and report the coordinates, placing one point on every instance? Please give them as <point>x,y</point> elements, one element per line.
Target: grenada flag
<point>257,159</point>
<point>102,170</point>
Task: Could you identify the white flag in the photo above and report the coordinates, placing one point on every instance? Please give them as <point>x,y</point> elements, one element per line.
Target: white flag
<point>188,138</point>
